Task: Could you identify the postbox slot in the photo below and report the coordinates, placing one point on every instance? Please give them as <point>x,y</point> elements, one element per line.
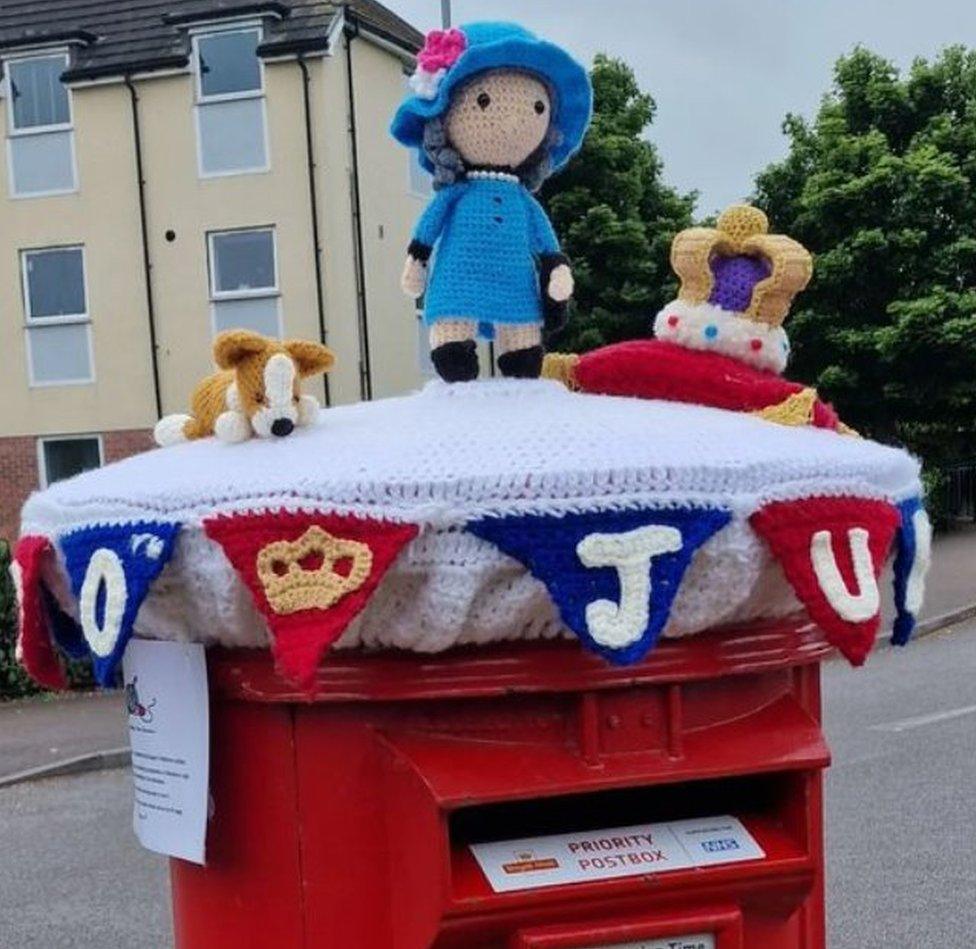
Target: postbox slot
<point>761,796</point>
<point>771,807</point>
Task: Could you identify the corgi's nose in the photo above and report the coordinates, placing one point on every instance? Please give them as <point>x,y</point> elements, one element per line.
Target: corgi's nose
<point>282,427</point>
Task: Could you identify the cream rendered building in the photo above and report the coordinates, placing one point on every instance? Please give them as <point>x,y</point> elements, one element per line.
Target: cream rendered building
<point>172,169</point>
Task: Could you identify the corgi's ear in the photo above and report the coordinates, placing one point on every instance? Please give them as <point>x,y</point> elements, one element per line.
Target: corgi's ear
<point>232,346</point>
<point>310,358</point>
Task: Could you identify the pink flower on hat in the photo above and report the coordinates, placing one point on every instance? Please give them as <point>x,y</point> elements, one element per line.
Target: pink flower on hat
<point>442,49</point>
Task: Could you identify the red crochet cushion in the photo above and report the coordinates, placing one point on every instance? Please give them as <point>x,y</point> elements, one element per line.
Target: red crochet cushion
<point>655,369</point>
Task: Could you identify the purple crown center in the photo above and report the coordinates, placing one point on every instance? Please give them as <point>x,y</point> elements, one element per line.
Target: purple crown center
<point>735,279</point>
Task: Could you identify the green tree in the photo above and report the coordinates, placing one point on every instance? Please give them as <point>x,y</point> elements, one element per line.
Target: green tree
<point>14,682</point>
<point>881,186</point>
<point>615,216</point>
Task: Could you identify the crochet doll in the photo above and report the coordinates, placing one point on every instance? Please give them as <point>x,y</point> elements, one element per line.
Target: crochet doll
<point>495,111</point>
<point>721,342</point>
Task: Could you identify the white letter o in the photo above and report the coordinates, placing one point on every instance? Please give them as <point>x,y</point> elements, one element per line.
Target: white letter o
<point>104,567</point>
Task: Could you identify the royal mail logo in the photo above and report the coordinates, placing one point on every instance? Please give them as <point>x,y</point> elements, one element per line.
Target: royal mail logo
<point>313,572</point>
<point>527,862</point>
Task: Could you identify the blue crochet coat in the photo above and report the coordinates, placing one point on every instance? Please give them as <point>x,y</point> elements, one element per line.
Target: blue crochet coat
<point>491,239</point>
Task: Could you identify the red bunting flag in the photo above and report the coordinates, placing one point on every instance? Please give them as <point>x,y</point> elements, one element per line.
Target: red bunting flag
<point>832,550</point>
<point>35,645</point>
<point>310,575</point>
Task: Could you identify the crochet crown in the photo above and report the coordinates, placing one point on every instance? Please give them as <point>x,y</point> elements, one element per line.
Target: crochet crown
<point>313,572</point>
<point>737,284</point>
<point>741,267</point>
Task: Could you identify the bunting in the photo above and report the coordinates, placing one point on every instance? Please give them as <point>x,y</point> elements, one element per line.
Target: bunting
<point>613,575</point>
<point>35,647</point>
<point>310,575</point>
<point>65,631</point>
<point>912,561</point>
<point>111,568</point>
<point>832,550</point>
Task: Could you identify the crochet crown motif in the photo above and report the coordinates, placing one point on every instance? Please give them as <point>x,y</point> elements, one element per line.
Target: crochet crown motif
<point>739,266</point>
<point>303,575</point>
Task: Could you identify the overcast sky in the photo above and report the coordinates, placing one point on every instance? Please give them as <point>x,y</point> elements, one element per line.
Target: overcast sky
<point>724,73</point>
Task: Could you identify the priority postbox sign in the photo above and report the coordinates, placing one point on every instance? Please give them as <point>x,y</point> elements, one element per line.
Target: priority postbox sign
<point>560,859</point>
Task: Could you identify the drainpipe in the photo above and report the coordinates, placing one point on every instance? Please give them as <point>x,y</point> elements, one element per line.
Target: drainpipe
<point>144,226</point>
<point>365,376</point>
<point>314,208</point>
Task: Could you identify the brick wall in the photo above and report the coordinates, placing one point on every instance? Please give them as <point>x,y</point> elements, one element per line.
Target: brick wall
<point>118,445</point>
<point>19,475</point>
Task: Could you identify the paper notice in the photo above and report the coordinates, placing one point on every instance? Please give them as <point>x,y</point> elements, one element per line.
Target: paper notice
<point>169,730</point>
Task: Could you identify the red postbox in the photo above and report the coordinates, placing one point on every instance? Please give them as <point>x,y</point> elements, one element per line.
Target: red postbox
<point>348,821</point>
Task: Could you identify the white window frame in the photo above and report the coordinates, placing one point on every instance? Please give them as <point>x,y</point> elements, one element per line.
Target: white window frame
<point>199,99</point>
<point>8,92</point>
<point>204,33</point>
<point>258,293</point>
<point>81,436</point>
<point>31,322</point>
<point>14,133</point>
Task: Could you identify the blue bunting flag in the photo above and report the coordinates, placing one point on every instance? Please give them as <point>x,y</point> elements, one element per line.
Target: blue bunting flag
<point>111,568</point>
<point>614,574</point>
<point>912,560</point>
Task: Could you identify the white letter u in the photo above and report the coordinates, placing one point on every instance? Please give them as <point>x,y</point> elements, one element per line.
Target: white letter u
<point>854,607</point>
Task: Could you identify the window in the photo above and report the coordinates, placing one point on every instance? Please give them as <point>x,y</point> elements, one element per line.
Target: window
<point>40,138</point>
<point>229,64</point>
<point>56,307</point>
<point>244,281</point>
<point>60,458</point>
<point>39,98</point>
<point>231,136</point>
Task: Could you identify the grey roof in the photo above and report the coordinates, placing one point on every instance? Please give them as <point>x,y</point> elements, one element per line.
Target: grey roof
<point>115,37</point>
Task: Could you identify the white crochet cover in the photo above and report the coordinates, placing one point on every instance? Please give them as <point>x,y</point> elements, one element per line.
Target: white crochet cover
<point>449,454</point>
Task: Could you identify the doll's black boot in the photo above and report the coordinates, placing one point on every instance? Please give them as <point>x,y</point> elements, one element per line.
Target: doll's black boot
<point>521,363</point>
<point>456,362</point>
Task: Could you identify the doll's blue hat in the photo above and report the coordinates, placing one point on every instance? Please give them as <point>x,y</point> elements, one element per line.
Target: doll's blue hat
<point>449,57</point>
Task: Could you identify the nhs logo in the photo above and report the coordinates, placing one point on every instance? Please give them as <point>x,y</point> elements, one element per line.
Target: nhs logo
<point>720,845</point>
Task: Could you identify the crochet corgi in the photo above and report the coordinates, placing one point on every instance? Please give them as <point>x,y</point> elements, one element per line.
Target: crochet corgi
<point>255,393</point>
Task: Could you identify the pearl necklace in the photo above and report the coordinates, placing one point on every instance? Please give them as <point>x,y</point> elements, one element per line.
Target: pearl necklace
<point>494,176</point>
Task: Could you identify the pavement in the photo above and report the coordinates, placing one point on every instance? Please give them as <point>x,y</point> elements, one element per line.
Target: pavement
<point>48,733</point>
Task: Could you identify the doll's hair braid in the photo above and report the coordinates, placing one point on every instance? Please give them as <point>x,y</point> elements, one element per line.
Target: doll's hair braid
<point>448,164</point>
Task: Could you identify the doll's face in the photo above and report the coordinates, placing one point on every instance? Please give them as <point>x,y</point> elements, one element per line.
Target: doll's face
<point>499,118</point>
